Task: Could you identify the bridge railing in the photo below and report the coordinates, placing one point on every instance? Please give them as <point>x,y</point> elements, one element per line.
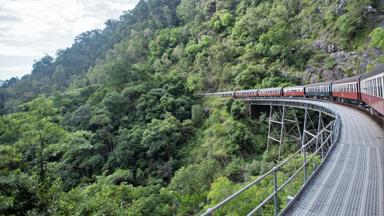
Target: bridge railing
<point>327,137</point>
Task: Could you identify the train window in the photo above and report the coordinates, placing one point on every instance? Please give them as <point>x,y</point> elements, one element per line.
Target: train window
<point>381,87</point>
<point>369,87</point>
<point>365,86</point>
<point>378,87</point>
<point>373,87</point>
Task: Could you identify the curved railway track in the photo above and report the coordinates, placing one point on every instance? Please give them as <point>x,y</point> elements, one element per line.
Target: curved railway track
<point>351,180</point>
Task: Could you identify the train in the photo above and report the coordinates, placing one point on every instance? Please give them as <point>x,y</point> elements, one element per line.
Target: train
<point>365,90</point>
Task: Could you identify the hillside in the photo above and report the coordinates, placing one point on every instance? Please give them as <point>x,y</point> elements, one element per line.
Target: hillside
<point>113,125</point>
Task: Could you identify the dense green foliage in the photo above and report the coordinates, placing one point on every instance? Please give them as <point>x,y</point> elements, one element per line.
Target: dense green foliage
<point>113,125</point>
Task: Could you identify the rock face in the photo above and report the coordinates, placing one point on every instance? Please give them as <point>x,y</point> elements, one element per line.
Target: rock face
<point>344,64</point>
<point>340,8</point>
<point>324,46</point>
<point>315,74</point>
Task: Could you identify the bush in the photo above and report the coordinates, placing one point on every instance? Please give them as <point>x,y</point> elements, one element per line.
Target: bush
<point>377,38</point>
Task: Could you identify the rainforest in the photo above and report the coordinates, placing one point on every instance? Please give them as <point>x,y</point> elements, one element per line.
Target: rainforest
<point>116,124</point>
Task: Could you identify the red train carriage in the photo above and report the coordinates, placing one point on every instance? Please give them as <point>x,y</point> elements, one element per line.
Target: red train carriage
<point>246,93</point>
<point>271,92</point>
<point>295,91</point>
<point>348,88</point>
<point>372,89</point>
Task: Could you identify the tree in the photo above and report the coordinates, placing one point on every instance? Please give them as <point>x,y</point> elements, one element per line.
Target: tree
<point>59,76</point>
<point>238,109</point>
<point>161,137</point>
<point>188,10</point>
<point>43,67</point>
<point>198,115</point>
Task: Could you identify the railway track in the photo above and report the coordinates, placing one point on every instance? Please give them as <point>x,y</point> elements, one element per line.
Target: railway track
<point>351,181</point>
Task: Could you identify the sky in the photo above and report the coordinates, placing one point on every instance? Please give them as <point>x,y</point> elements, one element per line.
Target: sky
<point>29,29</point>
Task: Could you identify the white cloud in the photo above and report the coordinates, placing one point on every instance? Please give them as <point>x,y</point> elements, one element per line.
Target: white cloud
<point>9,72</point>
<point>34,27</point>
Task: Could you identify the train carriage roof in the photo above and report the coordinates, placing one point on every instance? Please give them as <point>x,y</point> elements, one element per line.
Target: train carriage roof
<point>249,90</point>
<point>319,84</point>
<point>376,70</point>
<point>348,80</point>
<point>226,92</point>
<point>294,87</point>
<point>271,89</point>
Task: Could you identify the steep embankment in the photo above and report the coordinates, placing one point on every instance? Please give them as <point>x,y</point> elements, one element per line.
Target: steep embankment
<point>119,130</point>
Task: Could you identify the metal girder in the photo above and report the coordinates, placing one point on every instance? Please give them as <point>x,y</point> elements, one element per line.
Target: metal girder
<point>282,129</point>
<point>297,103</point>
<point>320,132</point>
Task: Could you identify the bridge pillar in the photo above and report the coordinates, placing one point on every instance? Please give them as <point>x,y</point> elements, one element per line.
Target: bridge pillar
<point>283,127</point>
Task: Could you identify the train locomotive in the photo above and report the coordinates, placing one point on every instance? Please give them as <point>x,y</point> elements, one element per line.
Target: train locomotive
<point>365,90</point>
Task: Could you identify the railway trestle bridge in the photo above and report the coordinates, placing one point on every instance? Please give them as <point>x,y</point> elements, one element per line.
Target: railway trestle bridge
<point>342,160</point>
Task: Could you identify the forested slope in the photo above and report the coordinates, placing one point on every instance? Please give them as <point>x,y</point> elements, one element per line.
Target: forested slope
<point>113,125</point>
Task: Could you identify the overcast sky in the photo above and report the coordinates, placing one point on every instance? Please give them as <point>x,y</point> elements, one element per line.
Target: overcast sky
<point>31,28</point>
